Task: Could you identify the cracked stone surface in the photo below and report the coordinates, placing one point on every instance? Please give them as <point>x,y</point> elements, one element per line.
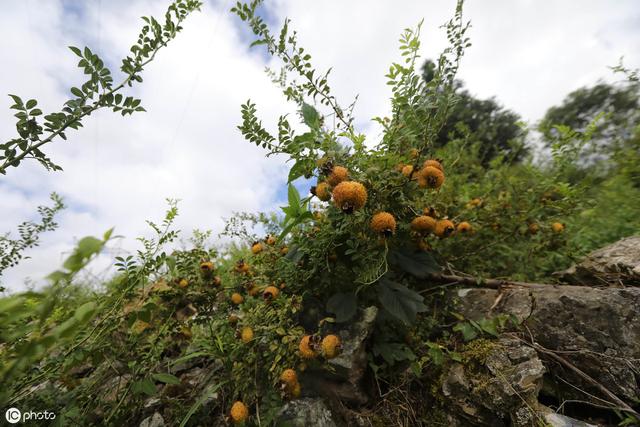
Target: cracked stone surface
<point>599,328</point>
<point>504,388</point>
<point>343,377</point>
<point>306,412</point>
<point>615,265</point>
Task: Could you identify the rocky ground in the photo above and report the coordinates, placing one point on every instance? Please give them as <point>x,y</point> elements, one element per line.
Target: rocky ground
<point>577,350</point>
<point>572,361</point>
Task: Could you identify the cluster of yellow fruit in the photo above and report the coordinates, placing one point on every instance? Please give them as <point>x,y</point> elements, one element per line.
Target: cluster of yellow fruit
<point>556,227</point>
<point>258,247</point>
<point>290,384</point>
<point>311,346</point>
<point>431,175</point>
<point>348,196</point>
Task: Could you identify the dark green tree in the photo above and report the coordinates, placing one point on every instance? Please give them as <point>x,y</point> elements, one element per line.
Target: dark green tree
<point>618,104</point>
<point>493,129</point>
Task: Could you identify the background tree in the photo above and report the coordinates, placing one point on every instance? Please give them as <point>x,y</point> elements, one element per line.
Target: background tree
<point>491,128</point>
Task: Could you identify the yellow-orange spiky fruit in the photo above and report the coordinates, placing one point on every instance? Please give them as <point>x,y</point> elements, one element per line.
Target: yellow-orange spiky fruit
<point>236,298</point>
<point>533,228</point>
<point>444,228</point>
<point>256,248</point>
<point>557,227</point>
<point>206,268</point>
<point>239,412</point>
<point>289,377</point>
<point>434,163</point>
<point>430,177</point>
<point>383,223</point>
<point>217,281</point>
<point>284,250</point>
<point>407,170</point>
<point>270,240</point>
<point>305,348</point>
<point>464,227</point>
<point>246,335</point>
<point>270,293</point>
<point>338,174</point>
<point>331,346</point>
<point>349,196</point>
<point>423,224</point>
<point>183,283</point>
<point>321,191</point>
<point>242,267</point>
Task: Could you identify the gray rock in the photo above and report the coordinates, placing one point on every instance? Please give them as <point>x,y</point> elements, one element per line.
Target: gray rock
<point>111,391</point>
<point>557,420</point>
<point>505,386</point>
<point>154,420</point>
<point>306,412</point>
<point>596,329</point>
<point>351,364</point>
<point>343,375</point>
<point>615,265</point>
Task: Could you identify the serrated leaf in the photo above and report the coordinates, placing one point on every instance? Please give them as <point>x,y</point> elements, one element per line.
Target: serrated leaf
<point>400,301</point>
<point>343,305</point>
<point>419,264</point>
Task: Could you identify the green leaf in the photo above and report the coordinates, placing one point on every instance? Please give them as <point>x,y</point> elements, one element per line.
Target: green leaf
<point>419,264</point>
<point>85,312</point>
<point>146,386</point>
<point>31,103</point>
<point>89,246</point>
<point>258,42</point>
<point>400,301</point>
<point>467,330</point>
<point>489,326</point>
<point>343,305</point>
<point>310,116</point>
<point>166,378</point>
<point>294,197</point>
<point>76,51</point>
<point>436,354</point>
<point>300,168</point>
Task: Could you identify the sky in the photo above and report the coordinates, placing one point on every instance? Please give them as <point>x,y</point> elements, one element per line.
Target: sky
<point>118,171</point>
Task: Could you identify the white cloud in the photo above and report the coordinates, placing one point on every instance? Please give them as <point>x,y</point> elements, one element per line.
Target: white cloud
<point>119,170</point>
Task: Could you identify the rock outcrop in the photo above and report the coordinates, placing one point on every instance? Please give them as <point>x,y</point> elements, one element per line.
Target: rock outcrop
<point>615,265</point>
<point>595,330</point>
<point>502,390</point>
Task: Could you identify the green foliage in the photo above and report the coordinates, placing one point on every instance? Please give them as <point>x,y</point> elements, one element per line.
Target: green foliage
<point>98,91</point>
<point>200,327</point>
<point>494,129</point>
<point>11,250</point>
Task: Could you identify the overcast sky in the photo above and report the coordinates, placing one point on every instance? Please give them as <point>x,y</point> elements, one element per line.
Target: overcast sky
<point>118,171</point>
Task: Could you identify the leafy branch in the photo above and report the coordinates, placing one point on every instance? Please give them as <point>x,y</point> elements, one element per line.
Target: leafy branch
<point>29,231</point>
<point>97,92</point>
<point>296,60</point>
